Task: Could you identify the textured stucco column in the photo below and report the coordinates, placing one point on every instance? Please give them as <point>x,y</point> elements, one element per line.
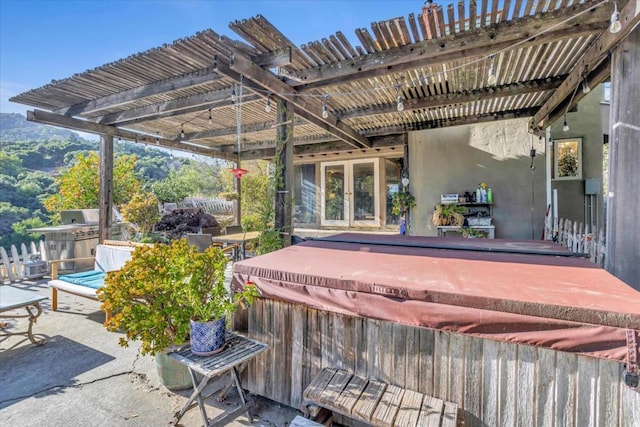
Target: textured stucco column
<point>623,209</point>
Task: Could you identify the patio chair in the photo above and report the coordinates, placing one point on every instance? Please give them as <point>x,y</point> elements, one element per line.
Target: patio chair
<point>109,257</point>
<point>233,229</point>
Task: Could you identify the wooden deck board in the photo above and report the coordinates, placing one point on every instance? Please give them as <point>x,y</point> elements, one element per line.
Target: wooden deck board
<point>409,409</point>
<point>333,390</point>
<point>431,412</point>
<point>368,400</point>
<point>319,383</point>
<point>450,414</point>
<point>350,395</point>
<point>388,406</point>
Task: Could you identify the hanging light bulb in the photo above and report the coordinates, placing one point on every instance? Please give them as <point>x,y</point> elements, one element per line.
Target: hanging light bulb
<point>492,80</point>
<point>157,138</point>
<point>585,86</point>
<point>210,118</point>
<point>565,126</point>
<point>233,94</point>
<point>615,26</point>
<point>181,131</point>
<point>325,111</point>
<point>399,103</point>
<point>267,106</point>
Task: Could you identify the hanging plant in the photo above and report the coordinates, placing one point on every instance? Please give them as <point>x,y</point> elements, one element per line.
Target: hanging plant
<point>401,202</point>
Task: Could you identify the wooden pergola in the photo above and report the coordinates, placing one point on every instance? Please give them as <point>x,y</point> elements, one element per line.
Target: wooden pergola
<point>465,63</point>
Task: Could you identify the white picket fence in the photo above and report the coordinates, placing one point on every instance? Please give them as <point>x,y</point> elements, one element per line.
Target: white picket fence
<point>577,238</point>
<point>12,267</point>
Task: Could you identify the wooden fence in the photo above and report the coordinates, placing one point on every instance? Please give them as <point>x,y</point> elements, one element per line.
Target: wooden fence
<point>12,263</point>
<point>577,238</point>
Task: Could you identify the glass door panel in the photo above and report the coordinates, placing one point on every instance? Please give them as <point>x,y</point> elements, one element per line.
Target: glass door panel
<point>334,194</point>
<point>364,194</point>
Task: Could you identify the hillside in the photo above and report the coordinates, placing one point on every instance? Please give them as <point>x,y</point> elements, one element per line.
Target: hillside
<point>15,127</point>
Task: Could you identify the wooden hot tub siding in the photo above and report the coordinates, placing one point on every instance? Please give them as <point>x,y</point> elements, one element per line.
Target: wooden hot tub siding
<point>493,383</point>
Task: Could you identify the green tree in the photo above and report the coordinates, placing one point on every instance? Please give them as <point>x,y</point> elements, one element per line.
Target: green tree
<point>80,184</point>
<point>143,211</point>
<point>172,189</point>
<point>10,165</point>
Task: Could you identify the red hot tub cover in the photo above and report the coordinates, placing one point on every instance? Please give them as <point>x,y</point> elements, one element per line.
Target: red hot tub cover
<point>518,291</point>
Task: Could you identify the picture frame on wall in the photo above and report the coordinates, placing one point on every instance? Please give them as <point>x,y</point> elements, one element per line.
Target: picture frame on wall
<point>567,159</point>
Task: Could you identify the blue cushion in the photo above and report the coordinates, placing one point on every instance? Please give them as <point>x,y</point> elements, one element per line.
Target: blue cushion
<point>91,279</point>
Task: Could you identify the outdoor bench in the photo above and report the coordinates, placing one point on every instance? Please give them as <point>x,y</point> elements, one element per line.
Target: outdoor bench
<point>110,256</point>
<point>376,403</point>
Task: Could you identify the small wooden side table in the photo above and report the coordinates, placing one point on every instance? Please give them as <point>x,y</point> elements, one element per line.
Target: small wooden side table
<point>239,350</point>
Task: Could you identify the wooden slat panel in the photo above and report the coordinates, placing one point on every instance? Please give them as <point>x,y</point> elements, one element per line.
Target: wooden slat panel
<point>315,349</point>
<point>566,367</point>
<point>360,342</point>
<point>426,361</point>
<point>388,406</point>
<point>298,337</point>
<point>431,412</point>
<point>399,353</point>
<point>508,383</point>
<point>456,365</point>
<point>525,389</point>
<point>409,409</point>
<point>332,391</point>
<point>319,383</point>
<point>412,359</point>
<point>374,349</point>
<point>608,404</point>
<point>473,393</point>
<point>441,366</point>
<point>490,385</point>
<point>587,391</point>
<point>385,344</point>
<point>545,385</point>
<point>326,332</point>
<point>369,399</point>
<point>630,406</point>
<point>350,395</point>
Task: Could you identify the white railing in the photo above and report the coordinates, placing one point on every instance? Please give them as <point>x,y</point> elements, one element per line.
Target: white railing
<point>12,263</point>
<point>577,238</point>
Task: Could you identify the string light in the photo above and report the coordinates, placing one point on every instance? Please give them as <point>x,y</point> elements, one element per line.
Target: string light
<point>565,125</point>
<point>615,26</point>
<point>325,112</point>
<point>267,106</point>
<point>157,138</point>
<point>585,86</point>
<point>492,80</point>
<point>182,131</point>
<point>400,105</point>
<point>233,93</point>
<point>210,118</point>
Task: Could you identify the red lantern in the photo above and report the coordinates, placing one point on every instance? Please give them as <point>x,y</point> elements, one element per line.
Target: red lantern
<point>239,172</point>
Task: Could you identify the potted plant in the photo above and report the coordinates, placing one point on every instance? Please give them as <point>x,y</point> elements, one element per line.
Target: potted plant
<point>448,214</point>
<point>156,294</point>
<point>401,202</point>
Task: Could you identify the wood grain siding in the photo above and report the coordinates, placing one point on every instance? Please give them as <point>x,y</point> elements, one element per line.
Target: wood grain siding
<point>493,383</point>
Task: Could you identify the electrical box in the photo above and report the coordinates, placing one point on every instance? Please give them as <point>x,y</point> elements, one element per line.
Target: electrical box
<point>592,186</point>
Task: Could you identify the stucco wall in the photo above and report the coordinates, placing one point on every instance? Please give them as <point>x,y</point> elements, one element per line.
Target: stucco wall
<point>457,159</point>
<point>586,123</point>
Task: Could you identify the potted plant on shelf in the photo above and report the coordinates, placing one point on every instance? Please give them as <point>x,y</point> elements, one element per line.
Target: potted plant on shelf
<point>156,294</point>
<point>401,202</point>
<point>447,215</point>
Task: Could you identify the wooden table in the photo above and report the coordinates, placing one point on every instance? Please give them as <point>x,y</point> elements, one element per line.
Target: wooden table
<point>14,298</point>
<point>237,239</point>
<point>239,350</point>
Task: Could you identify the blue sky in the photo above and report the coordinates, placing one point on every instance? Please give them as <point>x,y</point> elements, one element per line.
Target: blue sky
<point>41,40</point>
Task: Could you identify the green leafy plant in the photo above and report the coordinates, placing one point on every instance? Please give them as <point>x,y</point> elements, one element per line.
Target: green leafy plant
<point>449,214</point>
<point>142,210</point>
<point>472,233</point>
<point>401,202</point>
<point>155,294</point>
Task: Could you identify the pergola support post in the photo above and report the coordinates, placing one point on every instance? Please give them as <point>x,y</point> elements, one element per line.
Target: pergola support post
<point>623,228</point>
<point>106,188</point>
<point>284,171</point>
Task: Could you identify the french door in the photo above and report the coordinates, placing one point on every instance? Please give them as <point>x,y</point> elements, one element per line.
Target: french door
<point>350,193</point>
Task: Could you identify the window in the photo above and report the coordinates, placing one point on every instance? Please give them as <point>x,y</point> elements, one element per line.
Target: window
<point>567,159</point>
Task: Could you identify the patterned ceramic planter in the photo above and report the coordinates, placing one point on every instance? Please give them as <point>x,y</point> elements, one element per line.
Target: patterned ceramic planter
<point>207,338</point>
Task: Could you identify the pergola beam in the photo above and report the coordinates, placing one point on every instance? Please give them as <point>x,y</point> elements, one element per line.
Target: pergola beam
<point>184,81</point>
<point>458,98</point>
<point>629,18</point>
<point>66,122</point>
<point>479,42</point>
<point>177,107</point>
<point>258,127</point>
<point>307,108</point>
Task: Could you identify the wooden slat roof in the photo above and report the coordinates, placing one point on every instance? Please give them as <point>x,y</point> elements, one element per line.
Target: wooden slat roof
<point>437,61</point>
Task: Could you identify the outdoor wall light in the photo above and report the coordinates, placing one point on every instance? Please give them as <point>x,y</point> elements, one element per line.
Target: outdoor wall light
<point>615,26</point>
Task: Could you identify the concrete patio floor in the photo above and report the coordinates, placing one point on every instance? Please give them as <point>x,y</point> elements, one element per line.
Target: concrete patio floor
<point>82,377</point>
